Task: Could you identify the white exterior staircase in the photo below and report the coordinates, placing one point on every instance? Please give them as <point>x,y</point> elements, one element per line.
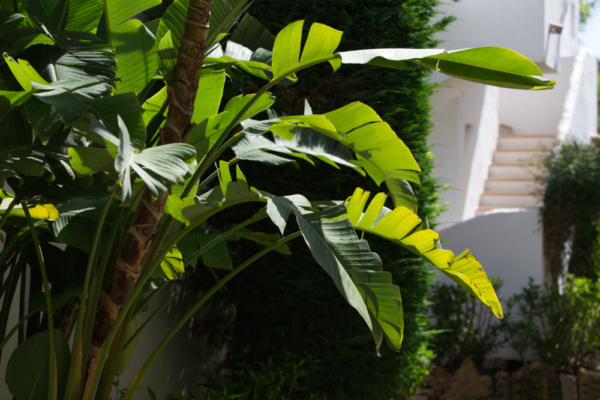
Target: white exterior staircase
<point>511,184</point>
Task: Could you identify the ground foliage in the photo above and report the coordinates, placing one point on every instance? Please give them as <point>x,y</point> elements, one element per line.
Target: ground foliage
<point>561,325</point>
<point>291,314</point>
<point>465,330</point>
<point>571,209</point>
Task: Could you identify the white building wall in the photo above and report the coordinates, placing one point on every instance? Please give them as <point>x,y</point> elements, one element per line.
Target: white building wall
<point>520,25</point>
<point>482,153</point>
<point>579,119</point>
<point>506,23</point>
<point>535,112</point>
<point>457,117</point>
<point>508,245</point>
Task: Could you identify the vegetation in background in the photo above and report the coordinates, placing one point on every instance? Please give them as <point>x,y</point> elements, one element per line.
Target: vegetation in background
<point>586,9</point>
<point>112,145</point>
<point>349,369</point>
<point>561,326</point>
<point>570,209</point>
<point>465,330</point>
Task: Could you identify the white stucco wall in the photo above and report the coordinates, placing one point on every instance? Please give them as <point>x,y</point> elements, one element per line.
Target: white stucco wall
<point>535,112</point>
<point>508,245</point>
<point>507,23</point>
<point>483,152</point>
<point>179,366</point>
<point>463,139</point>
<point>579,118</point>
<point>520,25</point>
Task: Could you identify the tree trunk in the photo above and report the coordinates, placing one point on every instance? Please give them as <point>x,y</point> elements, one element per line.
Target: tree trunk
<point>182,94</point>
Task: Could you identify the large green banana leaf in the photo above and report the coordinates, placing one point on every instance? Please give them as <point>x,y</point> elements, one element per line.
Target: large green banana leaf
<point>356,271</point>
<point>170,162</point>
<point>355,127</point>
<point>137,60</point>
<point>490,65</point>
<point>403,227</point>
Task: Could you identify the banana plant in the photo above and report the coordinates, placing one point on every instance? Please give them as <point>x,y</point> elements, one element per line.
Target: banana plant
<point>113,139</point>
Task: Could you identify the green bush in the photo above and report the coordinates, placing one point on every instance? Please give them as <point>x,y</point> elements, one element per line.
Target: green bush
<point>562,328</point>
<point>466,330</point>
<point>571,209</point>
<point>278,317</point>
<point>259,380</point>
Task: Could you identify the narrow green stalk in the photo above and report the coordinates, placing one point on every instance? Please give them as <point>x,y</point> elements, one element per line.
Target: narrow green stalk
<point>147,321</point>
<point>208,160</point>
<point>15,328</point>
<point>63,17</point>
<point>7,212</point>
<point>140,375</point>
<point>22,302</point>
<point>157,242</point>
<point>148,298</point>
<point>16,6</point>
<point>225,235</point>
<point>107,21</point>
<point>156,255</point>
<point>93,298</point>
<point>75,375</point>
<point>112,364</point>
<point>51,353</point>
<point>147,272</point>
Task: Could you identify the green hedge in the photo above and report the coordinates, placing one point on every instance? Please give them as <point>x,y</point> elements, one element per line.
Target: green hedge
<point>288,302</point>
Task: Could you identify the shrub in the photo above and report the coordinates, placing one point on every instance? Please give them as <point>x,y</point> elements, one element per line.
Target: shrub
<point>350,370</point>
<point>562,328</point>
<point>571,209</point>
<point>465,330</point>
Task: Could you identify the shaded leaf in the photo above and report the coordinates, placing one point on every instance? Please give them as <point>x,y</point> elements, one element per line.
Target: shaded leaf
<point>27,368</point>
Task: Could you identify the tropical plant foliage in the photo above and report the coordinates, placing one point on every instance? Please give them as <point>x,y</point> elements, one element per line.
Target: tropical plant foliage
<point>571,209</point>
<point>105,123</point>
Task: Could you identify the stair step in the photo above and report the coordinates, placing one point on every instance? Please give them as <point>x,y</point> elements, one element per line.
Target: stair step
<point>488,209</point>
<point>515,155</point>
<point>513,185</point>
<point>530,142</point>
<point>508,199</point>
<point>514,170</point>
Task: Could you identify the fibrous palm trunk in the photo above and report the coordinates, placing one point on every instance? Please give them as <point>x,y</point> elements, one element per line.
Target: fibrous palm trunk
<point>182,94</point>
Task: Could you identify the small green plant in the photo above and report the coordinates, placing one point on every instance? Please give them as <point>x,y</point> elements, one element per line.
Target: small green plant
<point>268,380</point>
<point>563,328</point>
<point>571,209</point>
<point>465,329</point>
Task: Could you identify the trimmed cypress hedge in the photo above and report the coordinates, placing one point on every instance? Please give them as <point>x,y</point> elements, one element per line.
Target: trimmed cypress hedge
<point>288,302</point>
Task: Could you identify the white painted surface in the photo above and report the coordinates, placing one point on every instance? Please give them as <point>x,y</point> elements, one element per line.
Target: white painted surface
<point>13,319</point>
<point>536,112</point>
<point>579,119</point>
<point>483,151</point>
<point>515,24</point>
<point>178,367</point>
<point>520,25</point>
<point>457,132</point>
<point>507,244</point>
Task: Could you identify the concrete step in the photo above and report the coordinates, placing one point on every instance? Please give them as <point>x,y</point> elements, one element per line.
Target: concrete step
<point>490,209</point>
<point>531,142</point>
<point>499,184</point>
<point>513,170</point>
<point>516,155</point>
<point>509,199</point>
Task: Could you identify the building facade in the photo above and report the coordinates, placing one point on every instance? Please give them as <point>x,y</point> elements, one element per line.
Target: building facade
<point>486,139</point>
